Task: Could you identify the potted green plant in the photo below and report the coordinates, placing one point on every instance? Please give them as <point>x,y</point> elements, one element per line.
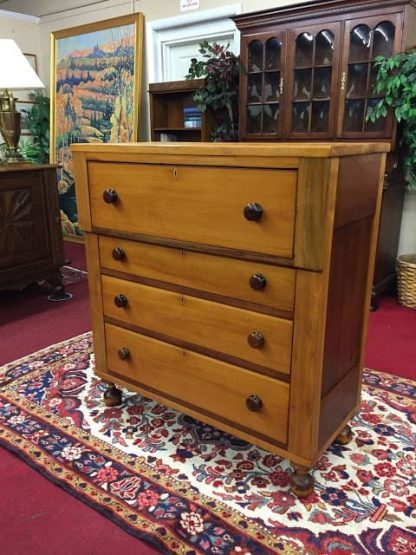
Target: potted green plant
<point>219,93</point>
<point>396,79</point>
<point>36,147</point>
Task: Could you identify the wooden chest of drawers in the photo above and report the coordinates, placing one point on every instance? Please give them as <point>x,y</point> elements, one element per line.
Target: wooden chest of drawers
<point>232,282</point>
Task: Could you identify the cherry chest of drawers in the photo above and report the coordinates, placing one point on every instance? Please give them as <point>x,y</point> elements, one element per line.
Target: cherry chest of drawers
<point>232,282</point>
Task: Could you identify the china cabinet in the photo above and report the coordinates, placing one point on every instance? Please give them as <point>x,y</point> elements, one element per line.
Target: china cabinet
<point>309,69</point>
<point>309,75</point>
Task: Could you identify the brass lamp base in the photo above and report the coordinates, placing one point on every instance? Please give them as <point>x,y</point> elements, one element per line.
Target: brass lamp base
<point>10,130</point>
<point>13,157</point>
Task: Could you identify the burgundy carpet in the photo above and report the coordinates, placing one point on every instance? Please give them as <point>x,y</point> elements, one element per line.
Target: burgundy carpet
<point>391,341</point>
<point>29,321</point>
<point>38,517</point>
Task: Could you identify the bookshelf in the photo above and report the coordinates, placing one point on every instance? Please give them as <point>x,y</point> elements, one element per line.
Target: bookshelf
<point>173,114</point>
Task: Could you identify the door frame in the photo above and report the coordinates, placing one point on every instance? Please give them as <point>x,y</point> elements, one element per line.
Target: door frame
<point>165,33</point>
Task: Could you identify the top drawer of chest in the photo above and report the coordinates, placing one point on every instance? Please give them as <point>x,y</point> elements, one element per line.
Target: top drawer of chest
<point>245,209</point>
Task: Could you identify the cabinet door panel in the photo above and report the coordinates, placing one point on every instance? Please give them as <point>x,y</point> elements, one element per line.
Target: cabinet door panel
<point>312,73</point>
<point>262,96</point>
<point>364,40</point>
<point>24,236</point>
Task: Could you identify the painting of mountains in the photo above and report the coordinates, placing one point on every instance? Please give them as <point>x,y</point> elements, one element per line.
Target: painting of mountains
<point>94,96</point>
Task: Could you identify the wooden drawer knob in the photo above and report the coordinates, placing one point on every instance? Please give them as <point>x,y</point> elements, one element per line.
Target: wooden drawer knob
<point>253,211</point>
<point>254,403</point>
<point>110,196</point>
<point>255,339</point>
<point>119,253</point>
<point>120,301</point>
<point>258,282</point>
<point>124,353</point>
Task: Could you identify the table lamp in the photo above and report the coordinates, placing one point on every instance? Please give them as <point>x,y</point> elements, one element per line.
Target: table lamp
<point>15,73</point>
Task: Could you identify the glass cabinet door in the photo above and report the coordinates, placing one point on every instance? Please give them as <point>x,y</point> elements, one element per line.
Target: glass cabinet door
<point>364,41</point>
<point>312,73</point>
<point>261,86</point>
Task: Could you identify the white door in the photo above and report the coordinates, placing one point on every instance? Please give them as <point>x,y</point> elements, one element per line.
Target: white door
<point>173,42</point>
<point>177,56</point>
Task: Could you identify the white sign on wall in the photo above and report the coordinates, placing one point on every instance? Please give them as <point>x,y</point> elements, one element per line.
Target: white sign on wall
<point>189,5</point>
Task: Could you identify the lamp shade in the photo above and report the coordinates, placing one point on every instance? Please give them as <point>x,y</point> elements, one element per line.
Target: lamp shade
<point>15,70</point>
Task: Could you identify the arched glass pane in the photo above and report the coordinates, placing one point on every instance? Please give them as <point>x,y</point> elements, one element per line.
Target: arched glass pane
<point>360,43</point>
<point>357,80</point>
<point>379,124</point>
<point>254,113</point>
<point>270,118</point>
<point>300,116</point>
<point>322,83</point>
<point>383,39</point>
<point>354,115</point>
<point>324,50</point>
<point>273,47</point>
<point>302,84</point>
<point>304,50</point>
<point>271,86</point>
<point>255,56</point>
<point>255,89</point>
<point>320,117</point>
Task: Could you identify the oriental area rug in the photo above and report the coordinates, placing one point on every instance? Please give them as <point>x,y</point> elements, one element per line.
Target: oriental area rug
<point>191,489</point>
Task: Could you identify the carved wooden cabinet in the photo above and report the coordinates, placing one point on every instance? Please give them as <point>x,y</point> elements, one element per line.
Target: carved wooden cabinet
<point>309,75</point>
<point>31,246</point>
<point>232,281</point>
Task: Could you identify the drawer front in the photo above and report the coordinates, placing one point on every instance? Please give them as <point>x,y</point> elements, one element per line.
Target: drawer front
<point>212,386</point>
<point>212,325</point>
<point>219,275</point>
<point>198,204</point>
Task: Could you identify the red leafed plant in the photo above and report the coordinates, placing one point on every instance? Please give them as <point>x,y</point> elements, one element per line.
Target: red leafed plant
<point>219,93</point>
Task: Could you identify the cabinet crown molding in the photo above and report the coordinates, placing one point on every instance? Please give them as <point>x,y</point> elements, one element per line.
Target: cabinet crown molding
<point>315,9</point>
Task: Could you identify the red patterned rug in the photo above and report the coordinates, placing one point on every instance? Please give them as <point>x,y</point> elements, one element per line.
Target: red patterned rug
<point>191,489</point>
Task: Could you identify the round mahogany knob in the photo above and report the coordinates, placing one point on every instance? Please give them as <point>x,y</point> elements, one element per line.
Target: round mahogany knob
<point>124,353</point>
<point>253,211</point>
<point>119,253</point>
<point>258,281</point>
<point>120,301</point>
<point>254,403</point>
<point>255,339</point>
<point>110,196</point>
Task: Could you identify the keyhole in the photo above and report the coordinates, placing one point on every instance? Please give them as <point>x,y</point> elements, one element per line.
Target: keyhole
<point>175,172</point>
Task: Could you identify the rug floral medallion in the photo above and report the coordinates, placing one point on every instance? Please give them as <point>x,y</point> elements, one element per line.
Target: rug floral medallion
<point>191,489</point>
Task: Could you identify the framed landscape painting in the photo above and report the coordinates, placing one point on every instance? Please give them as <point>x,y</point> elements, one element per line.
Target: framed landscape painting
<point>95,95</point>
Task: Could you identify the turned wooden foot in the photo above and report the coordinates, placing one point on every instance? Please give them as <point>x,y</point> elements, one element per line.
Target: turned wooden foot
<point>345,436</point>
<point>301,482</point>
<point>112,396</point>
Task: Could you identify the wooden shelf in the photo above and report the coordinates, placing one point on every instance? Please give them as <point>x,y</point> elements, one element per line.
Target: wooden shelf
<point>167,103</point>
<point>176,129</point>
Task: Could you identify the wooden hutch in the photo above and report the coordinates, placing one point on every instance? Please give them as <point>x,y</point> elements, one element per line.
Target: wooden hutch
<point>309,75</point>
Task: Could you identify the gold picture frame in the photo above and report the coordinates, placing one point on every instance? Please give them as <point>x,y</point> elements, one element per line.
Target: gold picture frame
<point>96,78</point>
<point>32,59</point>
